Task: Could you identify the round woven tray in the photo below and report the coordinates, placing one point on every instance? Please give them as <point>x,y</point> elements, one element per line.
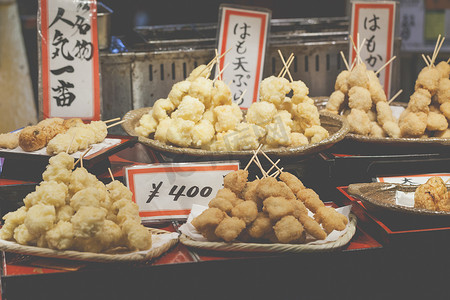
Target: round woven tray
<point>276,248</point>
<point>336,125</point>
<point>154,252</point>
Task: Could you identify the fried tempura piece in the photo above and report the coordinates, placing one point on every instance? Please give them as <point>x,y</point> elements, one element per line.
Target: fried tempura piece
<point>64,213</point>
<point>138,237</point>
<point>432,195</point>
<point>246,211</point>
<point>312,226</point>
<point>428,79</point>
<point>9,140</point>
<point>221,94</point>
<point>298,139</point>
<point>260,226</point>
<point>277,207</point>
<point>443,68</point>
<point>336,101</point>
<point>200,71</point>
<point>261,113</point>
<point>40,218</point>
<point>223,204</point>
<point>436,121</point>
<point>227,117</point>
<point>23,236</point>
<point>292,182</point>
<point>110,235</point>
<point>250,193</point>
<point>161,130</point>
<point>12,220</point>
<point>230,228</point>
<point>413,124</point>
<point>147,124</point>
<point>235,181</point>
<point>49,193</point>
<point>190,108</point>
<point>162,108</point>
<point>87,221</point>
<point>269,186</point>
<point>202,133</point>
<point>61,236</point>
<point>59,168</point>
<point>248,136</point>
<point>443,92</point>
<point>310,198</point>
<point>288,230</point>
<point>358,76</point>
<point>117,191</point>
<point>330,219</point>
<point>208,219</point>
<point>359,122</point>
<point>178,91</point>
<point>316,133</point>
<point>359,97</point>
<point>341,83</point>
<point>299,92</point>
<point>375,88</point>
<point>274,89</point>
<point>179,132</point>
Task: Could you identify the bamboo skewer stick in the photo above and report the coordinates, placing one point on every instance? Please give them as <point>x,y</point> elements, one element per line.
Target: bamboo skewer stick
<point>426,60</point>
<point>70,145</point>
<point>289,62</point>
<point>111,174</point>
<point>114,124</point>
<point>253,157</point>
<point>112,120</point>
<point>433,57</point>
<point>273,166</point>
<point>285,65</point>
<point>258,163</point>
<point>271,161</point>
<point>220,73</point>
<point>345,61</point>
<point>395,96</point>
<point>82,156</point>
<point>385,65</point>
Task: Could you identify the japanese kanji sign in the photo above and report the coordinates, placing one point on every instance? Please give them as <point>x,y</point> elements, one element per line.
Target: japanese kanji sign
<point>245,33</point>
<point>374,22</point>
<point>168,191</point>
<point>69,59</point>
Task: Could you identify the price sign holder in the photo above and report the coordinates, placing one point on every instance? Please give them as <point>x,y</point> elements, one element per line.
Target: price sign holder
<point>168,191</point>
<point>69,64</point>
<point>374,22</point>
<point>242,31</point>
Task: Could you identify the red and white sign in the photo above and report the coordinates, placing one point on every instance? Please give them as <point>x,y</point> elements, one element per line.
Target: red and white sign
<point>243,32</point>
<point>168,191</point>
<point>374,22</point>
<point>69,63</point>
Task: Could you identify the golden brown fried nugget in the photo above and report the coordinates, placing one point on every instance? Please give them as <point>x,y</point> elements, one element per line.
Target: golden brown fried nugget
<point>260,226</point>
<point>432,195</point>
<point>288,230</point>
<point>292,182</point>
<point>229,195</point>
<point>312,227</point>
<point>230,228</point>
<point>330,219</point>
<point>210,217</point>
<point>277,207</point>
<point>250,193</point>
<point>221,203</point>
<point>235,181</point>
<point>271,187</point>
<point>32,138</point>
<point>311,200</point>
<point>246,211</point>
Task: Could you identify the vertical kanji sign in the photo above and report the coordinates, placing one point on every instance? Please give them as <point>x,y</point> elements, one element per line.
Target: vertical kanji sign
<point>244,32</point>
<point>69,59</point>
<point>374,22</point>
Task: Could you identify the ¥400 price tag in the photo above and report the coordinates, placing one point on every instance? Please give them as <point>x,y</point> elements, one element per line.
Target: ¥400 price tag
<point>168,191</point>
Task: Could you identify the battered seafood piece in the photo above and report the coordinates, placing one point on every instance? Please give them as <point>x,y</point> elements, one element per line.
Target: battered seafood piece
<point>288,230</point>
<point>227,117</point>
<point>190,108</point>
<point>358,76</point>
<point>32,138</point>
<point>316,133</point>
<point>311,200</point>
<point>230,228</point>
<point>40,218</point>
<point>428,79</point>
<point>277,207</point>
<point>359,122</point>
<point>336,101</point>
<point>200,71</point>
<point>330,219</point>
<point>59,168</point>
<point>221,94</point>
<point>60,237</point>
<point>202,89</point>
<point>413,124</point>
<point>207,221</point>
<point>48,193</point>
<point>260,226</point>
<point>178,91</point>
<point>9,140</point>
<point>432,195</point>
<point>270,187</point>
<point>235,181</point>
<point>292,182</point>
<point>261,113</point>
<point>341,83</point>
<point>299,92</point>
<point>246,211</point>
<point>274,89</point>
<point>179,132</point>
<point>359,97</point>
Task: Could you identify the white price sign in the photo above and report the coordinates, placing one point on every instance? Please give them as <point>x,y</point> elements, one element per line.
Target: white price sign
<point>69,59</point>
<point>168,191</point>
<point>413,179</point>
<point>243,32</point>
<point>374,22</point>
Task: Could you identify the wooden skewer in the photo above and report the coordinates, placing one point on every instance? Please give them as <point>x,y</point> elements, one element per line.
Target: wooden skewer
<point>283,70</point>
<point>395,96</point>
<point>253,157</point>
<point>273,166</point>
<point>345,61</point>
<point>285,65</point>
<point>426,60</point>
<point>112,120</point>
<point>385,65</point>
<point>82,156</point>
<point>242,96</point>
<point>220,73</point>
<point>114,124</point>
<point>271,161</point>
<point>288,65</point>
<point>111,174</point>
<point>258,163</point>
<point>439,49</point>
<point>70,145</point>
<point>448,60</point>
<point>276,173</point>
<point>433,57</point>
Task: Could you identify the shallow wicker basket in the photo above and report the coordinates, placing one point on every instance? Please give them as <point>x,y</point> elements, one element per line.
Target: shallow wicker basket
<point>153,252</point>
<point>276,248</point>
<point>336,125</point>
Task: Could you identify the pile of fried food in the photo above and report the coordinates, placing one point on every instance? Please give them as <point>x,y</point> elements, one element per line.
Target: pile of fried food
<point>432,195</point>
<point>199,113</point>
<point>266,210</point>
<point>73,210</point>
<point>57,134</point>
<point>361,98</point>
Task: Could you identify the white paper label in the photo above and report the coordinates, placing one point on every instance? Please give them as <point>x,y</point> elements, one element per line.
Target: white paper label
<point>168,191</point>
<point>374,22</point>
<point>245,33</point>
<point>70,76</point>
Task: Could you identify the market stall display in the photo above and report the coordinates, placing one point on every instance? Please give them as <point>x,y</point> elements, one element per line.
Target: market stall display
<point>74,211</point>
